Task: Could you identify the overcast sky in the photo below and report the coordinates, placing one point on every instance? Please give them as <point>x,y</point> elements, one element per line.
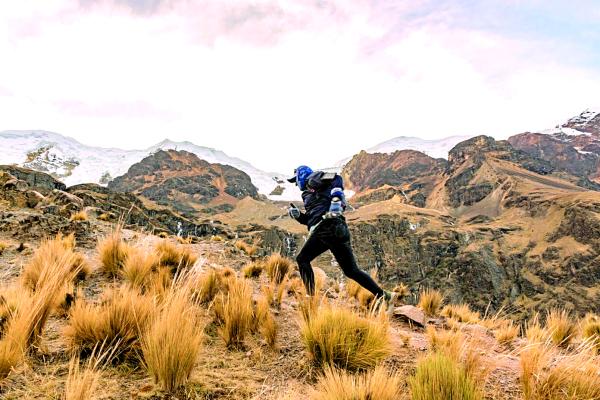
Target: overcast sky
<point>280,83</point>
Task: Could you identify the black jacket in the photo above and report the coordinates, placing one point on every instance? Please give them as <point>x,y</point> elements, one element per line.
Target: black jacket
<point>317,196</point>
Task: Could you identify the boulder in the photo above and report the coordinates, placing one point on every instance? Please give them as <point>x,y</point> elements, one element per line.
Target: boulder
<point>411,314</point>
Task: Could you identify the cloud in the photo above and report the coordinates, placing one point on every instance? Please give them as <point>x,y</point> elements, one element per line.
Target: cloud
<point>286,82</point>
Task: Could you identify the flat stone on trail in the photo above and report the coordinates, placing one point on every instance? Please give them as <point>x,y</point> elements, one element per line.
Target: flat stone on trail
<point>411,314</point>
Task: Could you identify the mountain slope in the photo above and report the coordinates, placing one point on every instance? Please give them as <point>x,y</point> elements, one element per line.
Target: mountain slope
<point>74,163</point>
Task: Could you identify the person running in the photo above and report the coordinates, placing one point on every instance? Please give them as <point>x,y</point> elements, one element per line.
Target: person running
<point>324,204</point>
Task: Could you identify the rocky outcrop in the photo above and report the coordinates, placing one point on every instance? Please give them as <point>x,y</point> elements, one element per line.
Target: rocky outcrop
<point>181,180</point>
<point>133,211</point>
<point>408,172</point>
<point>36,180</point>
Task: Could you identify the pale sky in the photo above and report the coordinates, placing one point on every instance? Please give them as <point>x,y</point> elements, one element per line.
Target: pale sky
<point>282,83</point>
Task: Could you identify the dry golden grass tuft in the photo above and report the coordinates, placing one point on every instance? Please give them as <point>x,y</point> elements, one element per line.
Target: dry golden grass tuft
<point>3,246</point>
<point>402,290</point>
<point>296,287</point>
<point>216,238</point>
<point>162,235</point>
<point>461,313</point>
<point>184,240</point>
<point>113,252</point>
<point>561,327</point>
<point>79,216</point>
<point>352,288</point>
<point>534,331</point>
<point>236,312</point>
<point>249,249</point>
<point>138,267</point>
<point>209,284</point>
<point>171,344</point>
<point>448,342</point>
<point>277,267</point>
<point>53,251</point>
<point>275,293</point>
<point>335,336</point>
<point>26,325</point>
<point>253,269</point>
<point>590,330</point>
<point>507,333</point>
<point>174,256</point>
<point>266,322</point>
<point>227,272</point>
<point>340,385</point>
<point>81,383</point>
<point>547,375</point>
<point>116,322</point>
<point>364,297</point>
<point>430,301</point>
<point>439,377</point>
<point>104,217</point>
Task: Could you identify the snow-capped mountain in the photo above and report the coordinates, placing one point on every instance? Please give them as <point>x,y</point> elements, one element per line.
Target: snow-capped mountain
<point>436,148</point>
<point>74,162</point>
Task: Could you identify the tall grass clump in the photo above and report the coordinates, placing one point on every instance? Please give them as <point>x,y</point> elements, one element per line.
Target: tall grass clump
<point>249,249</point>
<point>82,382</point>
<point>534,332</point>
<point>277,267</point>
<point>113,252</point>
<point>3,246</point>
<point>172,342</point>
<point>236,310</point>
<point>138,267</point>
<point>546,375</point>
<point>461,313</point>
<point>253,269</point>
<point>117,322</point>
<point>377,384</point>
<point>507,333</point>
<point>590,330</point>
<point>430,301</point>
<point>174,256</point>
<point>26,325</point>
<point>209,284</point>
<point>265,321</point>
<point>439,377</point>
<point>341,338</point>
<point>561,327</point>
<point>56,250</point>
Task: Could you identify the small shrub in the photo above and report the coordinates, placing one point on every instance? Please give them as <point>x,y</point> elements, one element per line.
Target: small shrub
<point>340,385</point>
<point>277,267</point>
<point>338,337</point>
<point>461,313</point>
<point>560,327</point>
<point>506,333</point>
<point>438,377</point>
<point>237,312</point>
<point>171,344</point>
<point>216,238</point>
<point>253,269</point>
<point>3,247</point>
<point>430,301</point>
<point>174,256</point>
<point>117,322</point>
<point>113,252</point>
<point>79,216</point>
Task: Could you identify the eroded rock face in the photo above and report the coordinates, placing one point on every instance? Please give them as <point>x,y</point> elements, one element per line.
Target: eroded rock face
<point>36,180</point>
<point>183,181</point>
<point>132,211</point>
<point>408,172</point>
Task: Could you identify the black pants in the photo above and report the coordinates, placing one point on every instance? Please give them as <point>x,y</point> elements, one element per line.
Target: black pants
<point>333,234</point>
